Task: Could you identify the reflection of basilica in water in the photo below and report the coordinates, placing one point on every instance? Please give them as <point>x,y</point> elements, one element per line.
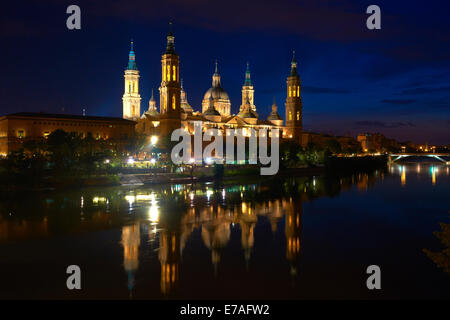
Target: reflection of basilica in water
<point>214,223</point>
<point>165,232</point>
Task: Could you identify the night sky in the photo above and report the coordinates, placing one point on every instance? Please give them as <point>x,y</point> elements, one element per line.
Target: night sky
<point>395,80</point>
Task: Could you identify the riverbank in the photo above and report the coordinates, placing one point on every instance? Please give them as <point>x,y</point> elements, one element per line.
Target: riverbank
<point>333,166</point>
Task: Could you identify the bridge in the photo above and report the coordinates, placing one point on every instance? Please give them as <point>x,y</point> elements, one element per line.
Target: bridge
<point>438,156</point>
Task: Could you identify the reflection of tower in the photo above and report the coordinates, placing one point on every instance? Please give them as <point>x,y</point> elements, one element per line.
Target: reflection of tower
<point>131,239</point>
<point>247,221</point>
<point>170,90</point>
<point>247,239</point>
<point>131,97</point>
<point>293,232</point>
<point>215,235</point>
<point>275,213</point>
<point>169,257</point>
<point>294,102</point>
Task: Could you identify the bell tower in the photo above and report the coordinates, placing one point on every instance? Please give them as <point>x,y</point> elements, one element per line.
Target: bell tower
<point>131,98</point>
<point>293,103</point>
<point>170,89</point>
<point>248,91</point>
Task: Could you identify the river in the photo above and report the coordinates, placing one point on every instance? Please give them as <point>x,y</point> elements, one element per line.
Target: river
<point>271,238</point>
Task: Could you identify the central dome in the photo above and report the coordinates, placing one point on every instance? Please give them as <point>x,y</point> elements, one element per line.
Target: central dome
<point>216,93</point>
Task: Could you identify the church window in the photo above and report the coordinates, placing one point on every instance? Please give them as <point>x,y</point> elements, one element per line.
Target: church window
<point>168,73</point>
<point>290,92</point>
<point>133,110</point>
<point>174,73</point>
<point>20,134</point>
<point>290,115</point>
<point>298,91</point>
<point>298,115</point>
<point>164,73</point>
<point>173,102</point>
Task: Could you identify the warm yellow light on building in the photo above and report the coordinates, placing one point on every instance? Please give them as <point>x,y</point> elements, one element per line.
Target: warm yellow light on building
<point>154,140</point>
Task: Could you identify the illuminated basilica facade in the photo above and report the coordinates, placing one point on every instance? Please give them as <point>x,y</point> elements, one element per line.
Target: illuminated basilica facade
<point>175,111</point>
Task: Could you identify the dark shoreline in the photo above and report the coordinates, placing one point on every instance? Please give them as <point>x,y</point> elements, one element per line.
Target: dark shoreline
<point>334,166</point>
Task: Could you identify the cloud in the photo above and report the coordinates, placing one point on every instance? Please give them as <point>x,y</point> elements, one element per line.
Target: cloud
<point>382,124</point>
<point>312,89</point>
<point>426,90</point>
<point>398,101</point>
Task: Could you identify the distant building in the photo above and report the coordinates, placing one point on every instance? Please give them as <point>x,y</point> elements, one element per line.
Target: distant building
<point>376,142</point>
<point>19,127</point>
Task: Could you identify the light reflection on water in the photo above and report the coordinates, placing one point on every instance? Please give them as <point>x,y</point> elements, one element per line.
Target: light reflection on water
<point>168,220</point>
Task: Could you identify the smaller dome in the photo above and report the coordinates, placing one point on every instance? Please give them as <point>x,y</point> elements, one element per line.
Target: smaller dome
<point>246,114</point>
<point>274,116</point>
<point>211,112</point>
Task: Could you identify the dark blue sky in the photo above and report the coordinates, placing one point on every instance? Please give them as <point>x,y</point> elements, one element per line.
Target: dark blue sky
<point>395,80</point>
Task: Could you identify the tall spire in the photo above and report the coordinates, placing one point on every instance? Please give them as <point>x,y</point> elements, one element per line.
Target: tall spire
<point>132,57</point>
<point>216,77</point>
<point>152,98</point>
<point>248,81</point>
<point>170,49</point>
<point>293,65</point>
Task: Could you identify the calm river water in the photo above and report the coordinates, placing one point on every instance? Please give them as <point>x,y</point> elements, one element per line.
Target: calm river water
<point>277,238</point>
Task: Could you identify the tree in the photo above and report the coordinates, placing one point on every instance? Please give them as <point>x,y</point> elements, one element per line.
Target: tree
<point>333,146</point>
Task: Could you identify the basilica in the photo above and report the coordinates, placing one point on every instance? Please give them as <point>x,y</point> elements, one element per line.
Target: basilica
<point>175,112</point>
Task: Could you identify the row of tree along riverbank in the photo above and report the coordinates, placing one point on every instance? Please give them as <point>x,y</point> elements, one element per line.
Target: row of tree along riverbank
<point>27,178</point>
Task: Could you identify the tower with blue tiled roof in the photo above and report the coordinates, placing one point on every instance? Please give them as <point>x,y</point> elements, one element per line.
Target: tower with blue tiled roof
<point>131,97</point>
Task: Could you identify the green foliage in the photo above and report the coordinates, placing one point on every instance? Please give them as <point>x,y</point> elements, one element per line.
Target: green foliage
<point>62,155</point>
<point>442,258</point>
<point>293,155</point>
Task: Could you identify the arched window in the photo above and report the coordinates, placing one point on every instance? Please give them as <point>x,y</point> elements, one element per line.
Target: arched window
<point>133,110</point>
<point>174,73</point>
<point>290,92</point>
<point>173,102</point>
<point>168,73</point>
<point>298,115</point>
<point>298,91</point>
<point>290,115</point>
<point>164,73</point>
